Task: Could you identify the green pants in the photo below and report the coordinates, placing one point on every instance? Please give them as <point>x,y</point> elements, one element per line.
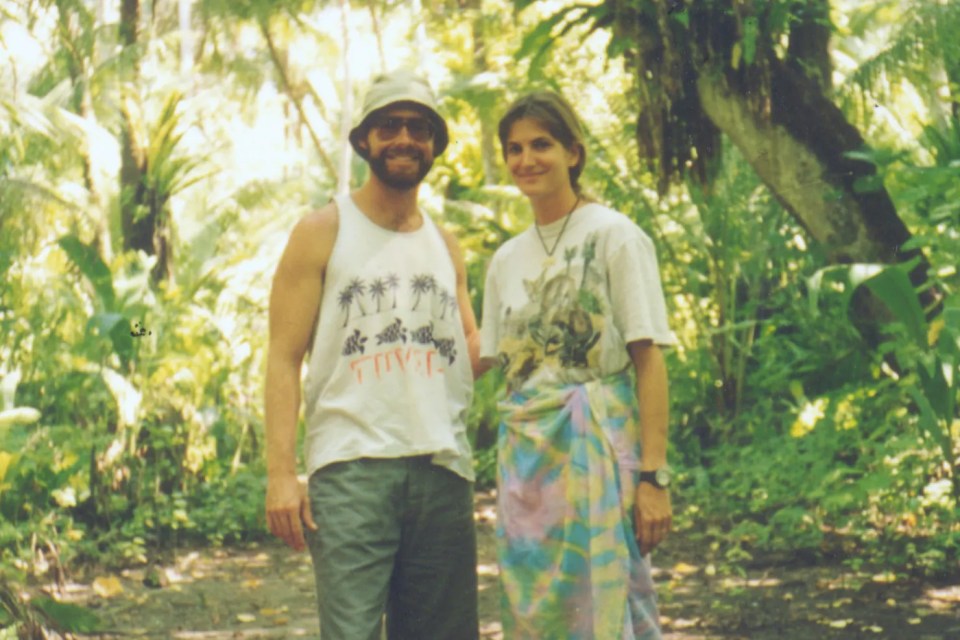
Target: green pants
<point>395,536</point>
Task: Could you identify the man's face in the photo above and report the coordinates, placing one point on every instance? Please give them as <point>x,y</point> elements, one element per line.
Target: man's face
<point>399,146</point>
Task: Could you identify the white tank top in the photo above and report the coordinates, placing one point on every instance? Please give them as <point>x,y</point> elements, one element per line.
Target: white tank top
<point>389,373</point>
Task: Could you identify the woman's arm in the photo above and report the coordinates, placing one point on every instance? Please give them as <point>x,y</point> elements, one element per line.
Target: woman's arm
<point>653,513</point>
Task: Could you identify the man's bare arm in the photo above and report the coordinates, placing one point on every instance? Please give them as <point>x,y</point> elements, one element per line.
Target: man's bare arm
<point>294,304</point>
<point>463,303</point>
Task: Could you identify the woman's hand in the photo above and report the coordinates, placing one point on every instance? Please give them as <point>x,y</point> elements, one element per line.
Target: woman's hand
<point>652,516</point>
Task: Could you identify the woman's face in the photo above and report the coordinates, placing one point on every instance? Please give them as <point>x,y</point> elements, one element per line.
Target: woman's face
<point>539,163</point>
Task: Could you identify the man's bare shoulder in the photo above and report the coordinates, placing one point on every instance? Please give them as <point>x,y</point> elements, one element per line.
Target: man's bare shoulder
<point>319,222</point>
<point>314,235</point>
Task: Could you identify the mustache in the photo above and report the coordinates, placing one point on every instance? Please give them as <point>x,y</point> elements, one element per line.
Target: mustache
<point>403,150</point>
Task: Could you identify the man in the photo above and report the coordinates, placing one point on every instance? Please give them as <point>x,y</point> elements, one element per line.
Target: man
<point>378,294</point>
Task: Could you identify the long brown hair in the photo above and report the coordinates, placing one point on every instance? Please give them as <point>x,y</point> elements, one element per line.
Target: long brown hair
<point>554,114</point>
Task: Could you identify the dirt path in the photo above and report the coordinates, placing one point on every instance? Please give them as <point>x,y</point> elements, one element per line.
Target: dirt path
<point>264,591</point>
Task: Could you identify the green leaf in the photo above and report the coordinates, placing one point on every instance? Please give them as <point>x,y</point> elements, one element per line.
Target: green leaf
<point>893,287</point>
<point>852,276</point>
<point>751,27</point>
<point>951,318</point>
<point>779,18</point>
<point>868,184</point>
<point>938,431</point>
<point>88,261</point>
<point>67,617</point>
<point>540,39</point>
<point>936,389</point>
<point>618,46</point>
<point>948,343</point>
<point>116,327</point>
<point>538,42</point>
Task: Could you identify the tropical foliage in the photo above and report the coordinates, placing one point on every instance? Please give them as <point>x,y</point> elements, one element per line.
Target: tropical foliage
<point>153,157</point>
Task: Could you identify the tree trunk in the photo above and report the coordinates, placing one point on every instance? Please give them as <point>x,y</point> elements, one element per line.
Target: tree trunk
<point>809,48</point>
<point>78,61</point>
<point>800,153</point>
<point>137,229</point>
<point>137,233</point>
<point>488,149</point>
<point>186,37</point>
<point>378,34</point>
<point>294,93</point>
<point>144,220</point>
<point>778,114</point>
<point>346,113</point>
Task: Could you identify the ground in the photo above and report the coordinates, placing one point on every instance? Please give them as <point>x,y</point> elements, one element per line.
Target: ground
<point>266,591</point>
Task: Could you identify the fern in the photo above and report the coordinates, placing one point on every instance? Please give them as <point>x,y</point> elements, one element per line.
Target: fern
<point>927,40</point>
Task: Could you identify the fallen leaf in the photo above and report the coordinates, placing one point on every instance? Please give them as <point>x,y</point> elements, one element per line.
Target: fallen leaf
<point>685,569</point>
<point>155,578</point>
<point>274,612</point>
<point>840,624</point>
<point>107,586</point>
<point>252,583</point>
<point>891,602</point>
<point>246,617</point>
<point>683,623</point>
<point>874,629</point>
<point>914,620</point>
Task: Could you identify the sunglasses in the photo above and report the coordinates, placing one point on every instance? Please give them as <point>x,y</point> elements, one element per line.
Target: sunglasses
<point>419,129</point>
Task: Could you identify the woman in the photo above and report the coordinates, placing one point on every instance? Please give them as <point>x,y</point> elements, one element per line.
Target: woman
<point>574,315</point>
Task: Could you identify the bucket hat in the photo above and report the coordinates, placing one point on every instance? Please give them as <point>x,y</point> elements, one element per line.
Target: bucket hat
<point>402,85</point>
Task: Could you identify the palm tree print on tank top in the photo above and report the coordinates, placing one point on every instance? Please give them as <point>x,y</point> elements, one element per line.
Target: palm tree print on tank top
<point>422,293</point>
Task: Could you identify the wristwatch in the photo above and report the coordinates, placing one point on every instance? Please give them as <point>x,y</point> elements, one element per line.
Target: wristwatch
<point>660,478</point>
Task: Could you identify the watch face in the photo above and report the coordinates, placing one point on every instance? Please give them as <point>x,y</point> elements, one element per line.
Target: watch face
<point>663,477</point>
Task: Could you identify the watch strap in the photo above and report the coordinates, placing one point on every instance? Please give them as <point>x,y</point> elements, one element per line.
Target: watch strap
<point>651,477</point>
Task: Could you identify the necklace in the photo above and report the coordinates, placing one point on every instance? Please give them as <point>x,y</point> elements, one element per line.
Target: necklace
<point>566,219</point>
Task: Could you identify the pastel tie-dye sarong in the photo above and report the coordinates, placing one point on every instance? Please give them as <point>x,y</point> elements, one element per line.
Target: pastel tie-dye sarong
<point>570,567</point>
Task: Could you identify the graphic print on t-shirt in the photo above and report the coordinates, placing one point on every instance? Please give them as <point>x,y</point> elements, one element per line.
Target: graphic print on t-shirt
<point>562,321</point>
<point>396,347</point>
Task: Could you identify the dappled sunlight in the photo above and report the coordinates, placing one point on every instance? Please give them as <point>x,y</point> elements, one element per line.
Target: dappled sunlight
<point>810,415</point>
<point>491,631</point>
<point>267,591</point>
<point>205,592</point>
<point>753,602</point>
<point>736,583</point>
<point>944,598</point>
<point>154,157</point>
<point>252,632</point>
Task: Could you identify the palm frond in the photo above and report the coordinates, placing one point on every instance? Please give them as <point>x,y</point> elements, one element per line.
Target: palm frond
<point>32,189</point>
<point>927,38</point>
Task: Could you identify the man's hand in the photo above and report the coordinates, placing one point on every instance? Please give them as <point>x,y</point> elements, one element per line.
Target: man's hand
<point>288,509</point>
<point>652,516</point>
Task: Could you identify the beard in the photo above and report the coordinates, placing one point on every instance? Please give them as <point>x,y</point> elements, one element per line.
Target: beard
<point>401,181</point>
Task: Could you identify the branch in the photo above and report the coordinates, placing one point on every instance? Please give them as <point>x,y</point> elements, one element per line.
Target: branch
<point>297,102</point>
